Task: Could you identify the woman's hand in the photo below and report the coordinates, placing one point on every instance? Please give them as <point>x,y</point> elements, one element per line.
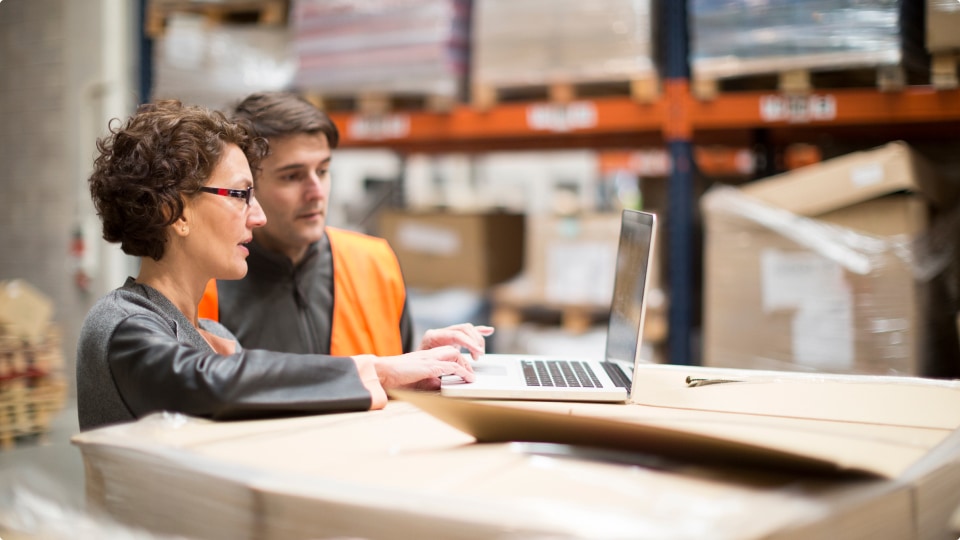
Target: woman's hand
<point>421,370</point>
<point>464,335</point>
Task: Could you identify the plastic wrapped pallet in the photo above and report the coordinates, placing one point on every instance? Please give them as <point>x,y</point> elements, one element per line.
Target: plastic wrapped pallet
<point>217,65</point>
<point>415,47</point>
<point>536,42</point>
<point>943,19</point>
<point>745,37</point>
<point>841,267</point>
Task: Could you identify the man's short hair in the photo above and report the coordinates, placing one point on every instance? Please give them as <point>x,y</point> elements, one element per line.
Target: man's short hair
<point>279,114</point>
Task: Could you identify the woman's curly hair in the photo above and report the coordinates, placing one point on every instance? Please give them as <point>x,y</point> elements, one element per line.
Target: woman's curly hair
<point>165,152</point>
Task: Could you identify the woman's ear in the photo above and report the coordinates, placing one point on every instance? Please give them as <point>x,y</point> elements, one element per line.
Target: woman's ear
<point>181,227</point>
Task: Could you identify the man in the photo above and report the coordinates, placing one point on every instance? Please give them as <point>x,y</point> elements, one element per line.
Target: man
<point>311,288</point>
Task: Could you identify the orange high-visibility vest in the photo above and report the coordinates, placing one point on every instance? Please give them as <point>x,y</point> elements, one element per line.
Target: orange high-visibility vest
<point>368,293</point>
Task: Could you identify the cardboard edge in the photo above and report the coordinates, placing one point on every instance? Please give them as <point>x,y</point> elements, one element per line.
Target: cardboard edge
<point>496,422</point>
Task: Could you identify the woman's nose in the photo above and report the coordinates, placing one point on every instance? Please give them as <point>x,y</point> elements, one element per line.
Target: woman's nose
<point>256,217</point>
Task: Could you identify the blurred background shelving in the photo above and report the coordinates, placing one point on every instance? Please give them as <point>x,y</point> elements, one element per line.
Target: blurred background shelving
<point>681,94</point>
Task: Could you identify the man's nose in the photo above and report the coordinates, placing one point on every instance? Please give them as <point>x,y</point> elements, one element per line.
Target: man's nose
<point>314,185</point>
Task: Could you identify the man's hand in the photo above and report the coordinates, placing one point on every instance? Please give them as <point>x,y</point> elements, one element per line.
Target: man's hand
<point>464,335</point>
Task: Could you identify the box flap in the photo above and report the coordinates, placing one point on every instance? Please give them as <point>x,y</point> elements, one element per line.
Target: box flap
<point>867,399</point>
<point>780,420</point>
<point>853,178</point>
<point>696,440</point>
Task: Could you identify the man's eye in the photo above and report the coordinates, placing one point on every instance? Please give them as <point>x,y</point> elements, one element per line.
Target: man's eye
<point>323,172</point>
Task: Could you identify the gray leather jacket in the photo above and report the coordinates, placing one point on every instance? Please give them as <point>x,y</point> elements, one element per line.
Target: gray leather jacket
<point>138,354</point>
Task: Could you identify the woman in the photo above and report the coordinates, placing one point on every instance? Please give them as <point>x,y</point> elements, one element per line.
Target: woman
<point>173,185</point>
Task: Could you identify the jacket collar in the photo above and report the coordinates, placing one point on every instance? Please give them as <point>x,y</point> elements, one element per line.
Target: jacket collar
<point>182,327</point>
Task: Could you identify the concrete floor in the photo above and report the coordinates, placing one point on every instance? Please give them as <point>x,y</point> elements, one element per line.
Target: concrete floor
<point>42,492</point>
<point>52,457</point>
<point>45,476</point>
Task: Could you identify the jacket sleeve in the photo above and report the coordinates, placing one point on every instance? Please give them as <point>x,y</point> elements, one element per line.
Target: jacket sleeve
<point>153,371</point>
<point>406,330</point>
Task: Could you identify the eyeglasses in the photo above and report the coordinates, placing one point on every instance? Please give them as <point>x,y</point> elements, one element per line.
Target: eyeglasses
<point>244,194</point>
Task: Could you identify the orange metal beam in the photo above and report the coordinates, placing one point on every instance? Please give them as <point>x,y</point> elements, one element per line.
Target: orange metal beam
<point>537,120</point>
<point>546,121</point>
<point>655,162</point>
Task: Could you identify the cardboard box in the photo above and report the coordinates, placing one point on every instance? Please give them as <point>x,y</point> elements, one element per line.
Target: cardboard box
<point>943,19</point>
<point>570,261</point>
<point>438,249</point>
<point>816,269</point>
<point>733,458</point>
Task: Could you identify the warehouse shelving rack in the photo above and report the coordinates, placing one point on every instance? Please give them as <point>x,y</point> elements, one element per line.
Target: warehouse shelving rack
<point>676,120</point>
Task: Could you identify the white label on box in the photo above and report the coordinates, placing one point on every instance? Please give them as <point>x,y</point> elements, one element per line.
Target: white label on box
<point>788,279</point>
<point>822,334</point>
<point>822,325</point>
<point>867,175</point>
<point>428,239</point>
<point>562,117</point>
<point>580,273</point>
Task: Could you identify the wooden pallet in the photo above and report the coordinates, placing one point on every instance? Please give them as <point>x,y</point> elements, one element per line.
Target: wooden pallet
<point>572,318</point>
<point>378,103</point>
<point>802,81</point>
<point>19,358</point>
<point>265,12</point>
<point>27,406</point>
<point>642,89</point>
<point>943,70</point>
<point>32,389</point>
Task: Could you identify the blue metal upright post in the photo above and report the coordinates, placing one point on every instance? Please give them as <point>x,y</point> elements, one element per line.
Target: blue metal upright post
<point>146,54</point>
<point>680,192</point>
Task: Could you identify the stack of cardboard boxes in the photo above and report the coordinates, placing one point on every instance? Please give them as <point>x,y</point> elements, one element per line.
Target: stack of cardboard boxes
<point>842,266</point>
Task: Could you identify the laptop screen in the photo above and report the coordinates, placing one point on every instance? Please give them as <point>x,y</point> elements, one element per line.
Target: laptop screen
<point>627,306</point>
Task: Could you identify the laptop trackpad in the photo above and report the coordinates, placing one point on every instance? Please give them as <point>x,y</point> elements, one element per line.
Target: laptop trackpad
<point>491,370</point>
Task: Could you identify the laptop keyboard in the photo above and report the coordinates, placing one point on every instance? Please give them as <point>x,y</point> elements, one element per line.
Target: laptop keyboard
<point>616,374</point>
<point>559,373</point>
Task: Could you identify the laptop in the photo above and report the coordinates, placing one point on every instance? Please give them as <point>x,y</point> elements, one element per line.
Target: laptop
<point>517,376</point>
